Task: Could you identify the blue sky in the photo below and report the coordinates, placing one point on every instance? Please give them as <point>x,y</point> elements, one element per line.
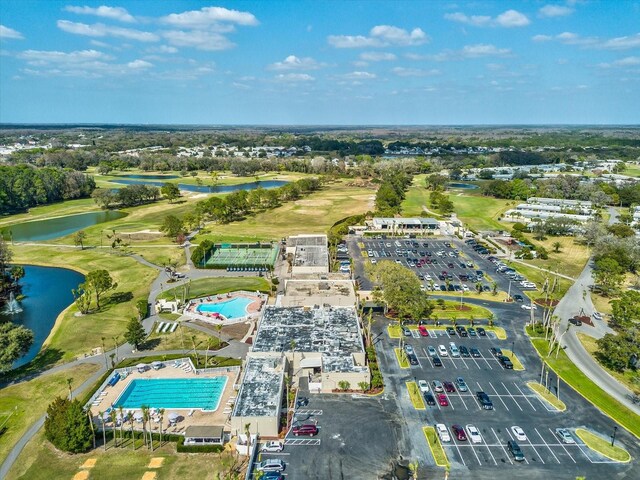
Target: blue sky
<point>320,62</point>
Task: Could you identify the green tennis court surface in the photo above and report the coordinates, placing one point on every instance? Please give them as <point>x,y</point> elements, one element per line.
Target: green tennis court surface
<point>222,256</point>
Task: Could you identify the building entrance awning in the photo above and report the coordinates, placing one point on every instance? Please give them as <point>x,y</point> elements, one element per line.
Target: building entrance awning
<point>311,362</point>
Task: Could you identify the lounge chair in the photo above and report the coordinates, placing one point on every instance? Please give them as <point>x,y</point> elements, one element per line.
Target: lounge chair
<point>160,326</point>
<point>191,412</point>
<point>173,327</point>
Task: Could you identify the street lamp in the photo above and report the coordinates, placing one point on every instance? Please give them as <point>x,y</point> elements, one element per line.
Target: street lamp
<point>513,347</point>
<point>613,437</point>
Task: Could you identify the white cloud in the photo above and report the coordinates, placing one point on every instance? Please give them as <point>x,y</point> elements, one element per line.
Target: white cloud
<point>414,72</point>
<point>359,75</point>
<point>550,11</point>
<point>622,62</point>
<point>80,63</point>
<point>102,30</point>
<point>618,43</point>
<point>162,49</point>
<point>112,13</point>
<point>621,43</point>
<point>509,18</point>
<point>294,77</point>
<point>209,16</point>
<point>6,32</point>
<point>377,56</point>
<point>541,38</point>
<point>295,63</point>
<point>483,50</point>
<point>380,36</point>
<point>199,39</point>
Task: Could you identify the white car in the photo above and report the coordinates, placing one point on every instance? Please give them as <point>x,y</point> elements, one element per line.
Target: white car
<point>565,435</point>
<point>373,261</point>
<point>428,277</point>
<point>454,350</point>
<point>423,385</point>
<point>432,351</point>
<point>474,434</point>
<point>528,307</point>
<point>519,433</point>
<point>273,446</point>
<point>443,433</point>
<point>409,349</point>
<point>465,288</point>
<point>442,350</point>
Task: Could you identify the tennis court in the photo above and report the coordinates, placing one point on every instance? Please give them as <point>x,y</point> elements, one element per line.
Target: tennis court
<point>244,256</point>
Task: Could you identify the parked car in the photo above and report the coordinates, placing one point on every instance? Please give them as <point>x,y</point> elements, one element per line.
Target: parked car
<point>481,332</point>
<point>406,332</point>
<point>565,435</point>
<point>436,361</point>
<point>437,386</point>
<point>515,451</point>
<point>451,331</point>
<point>409,349</point>
<point>454,350</point>
<point>432,351</point>
<point>505,362</point>
<point>442,350</point>
<point>413,360</point>
<point>474,434</point>
<point>459,433</point>
<point>443,433</point>
<point>272,476</point>
<point>428,397</point>
<point>272,446</point>
<point>484,400</point>
<point>475,352</point>
<point>423,385</point>
<point>271,465</point>
<point>518,298</point>
<point>302,402</point>
<point>462,386</point>
<point>448,387</point>
<point>463,351</point>
<point>519,433</point>
<point>495,351</point>
<point>471,331</point>
<point>307,430</point>
<point>575,321</point>
<point>423,331</point>
<point>443,400</point>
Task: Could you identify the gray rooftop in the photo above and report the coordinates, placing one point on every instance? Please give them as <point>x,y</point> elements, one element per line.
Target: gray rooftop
<point>331,331</point>
<point>406,220</point>
<point>261,391</point>
<point>311,256</point>
<point>307,240</point>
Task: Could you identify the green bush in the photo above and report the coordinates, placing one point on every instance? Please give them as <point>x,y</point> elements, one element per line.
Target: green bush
<point>182,448</point>
<point>67,426</point>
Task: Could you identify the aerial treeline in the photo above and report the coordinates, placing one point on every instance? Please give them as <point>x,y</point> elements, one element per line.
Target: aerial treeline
<point>24,186</point>
<point>128,196</point>
<point>599,192</point>
<point>236,205</point>
<point>391,192</point>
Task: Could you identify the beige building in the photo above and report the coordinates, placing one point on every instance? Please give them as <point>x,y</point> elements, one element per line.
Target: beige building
<point>310,254</point>
<point>324,292</point>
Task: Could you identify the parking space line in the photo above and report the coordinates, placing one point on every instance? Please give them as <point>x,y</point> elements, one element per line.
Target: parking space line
<point>562,445</point>
<point>544,441</point>
<point>463,402</point>
<point>489,449</point>
<point>473,448</point>
<point>486,361</point>
<point>502,446</point>
<point>525,396</point>
<point>459,452</point>
<point>512,397</point>
<point>465,362</point>
<point>498,395</point>
<point>448,400</point>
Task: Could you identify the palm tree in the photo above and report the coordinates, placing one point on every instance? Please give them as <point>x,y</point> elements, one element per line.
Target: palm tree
<point>491,318</point>
<point>133,438</point>
<point>413,468</point>
<point>161,413</point>
<point>69,380</point>
<point>104,430</point>
<point>115,342</point>
<point>121,415</point>
<point>104,352</point>
<point>218,328</point>
<point>556,246</point>
<point>114,420</point>
<point>247,432</point>
<point>206,352</point>
<point>145,413</point>
<point>195,352</point>
<point>93,432</point>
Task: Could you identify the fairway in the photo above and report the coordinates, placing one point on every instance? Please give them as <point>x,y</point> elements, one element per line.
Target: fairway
<point>479,212</point>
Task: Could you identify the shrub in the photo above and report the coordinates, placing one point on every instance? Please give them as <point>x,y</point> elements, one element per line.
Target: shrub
<point>67,426</point>
<point>182,448</point>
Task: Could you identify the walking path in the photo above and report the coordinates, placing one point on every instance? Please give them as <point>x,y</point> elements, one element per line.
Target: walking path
<point>578,301</point>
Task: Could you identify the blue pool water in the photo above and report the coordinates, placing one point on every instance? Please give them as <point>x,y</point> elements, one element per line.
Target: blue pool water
<point>234,308</point>
<point>176,393</point>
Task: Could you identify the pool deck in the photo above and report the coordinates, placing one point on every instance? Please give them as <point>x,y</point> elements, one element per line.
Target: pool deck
<point>220,416</point>
<point>253,309</point>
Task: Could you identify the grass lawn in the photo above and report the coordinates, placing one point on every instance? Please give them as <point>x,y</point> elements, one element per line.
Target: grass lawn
<point>165,255</point>
<point>32,399</point>
<point>632,170</point>
<point>403,361</point>
<point>603,446</point>
<point>539,277</point>
<point>590,345</point>
<point>312,214</point>
<point>212,286</point>
<point>500,297</point>
<point>601,303</point>
<point>73,336</point>
<point>479,212</point>
<point>439,455</point>
<point>40,461</point>
<point>547,396</point>
<point>416,197</point>
<point>517,364</point>
<point>452,310</point>
<point>174,341</point>
<point>394,331</point>
<point>68,207</point>
<point>574,377</point>
<point>570,260</point>
<point>415,396</point>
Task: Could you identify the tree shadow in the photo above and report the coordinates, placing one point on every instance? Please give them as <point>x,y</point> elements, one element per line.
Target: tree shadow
<point>149,344</point>
<point>47,357</point>
<point>120,297</point>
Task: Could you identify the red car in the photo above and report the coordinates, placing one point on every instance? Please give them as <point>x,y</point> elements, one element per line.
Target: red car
<point>448,387</point>
<point>458,431</point>
<point>423,331</point>
<point>443,400</point>
<point>306,430</point>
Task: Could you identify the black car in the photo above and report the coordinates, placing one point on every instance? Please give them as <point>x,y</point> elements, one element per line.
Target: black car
<point>495,351</point>
<point>463,351</point>
<point>484,400</point>
<point>302,402</point>
<point>481,332</point>
<point>461,331</point>
<point>475,352</point>
<point>471,331</point>
<point>518,298</point>
<point>413,360</point>
<point>515,450</point>
<point>505,362</point>
<point>436,361</point>
<point>575,321</point>
<point>429,398</point>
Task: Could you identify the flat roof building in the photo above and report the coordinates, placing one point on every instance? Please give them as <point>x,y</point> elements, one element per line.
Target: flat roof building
<point>310,254</point>
<point>324,292</point>
<point>396,224</point>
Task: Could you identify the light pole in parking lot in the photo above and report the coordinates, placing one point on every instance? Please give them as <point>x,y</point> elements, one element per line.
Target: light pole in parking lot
<point>613,437</point>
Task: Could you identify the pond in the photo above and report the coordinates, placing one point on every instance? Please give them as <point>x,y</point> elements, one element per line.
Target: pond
<point>39,230</point>
<point>48,292</point>
<point>207,188</point>
<point>463,186</point>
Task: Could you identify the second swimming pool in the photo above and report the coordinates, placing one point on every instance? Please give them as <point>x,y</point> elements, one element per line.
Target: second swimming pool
<point>233,308</point>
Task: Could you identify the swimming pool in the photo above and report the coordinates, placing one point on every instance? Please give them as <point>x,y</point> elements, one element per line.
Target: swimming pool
<point>175,393</point>
<point>233,308</point>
